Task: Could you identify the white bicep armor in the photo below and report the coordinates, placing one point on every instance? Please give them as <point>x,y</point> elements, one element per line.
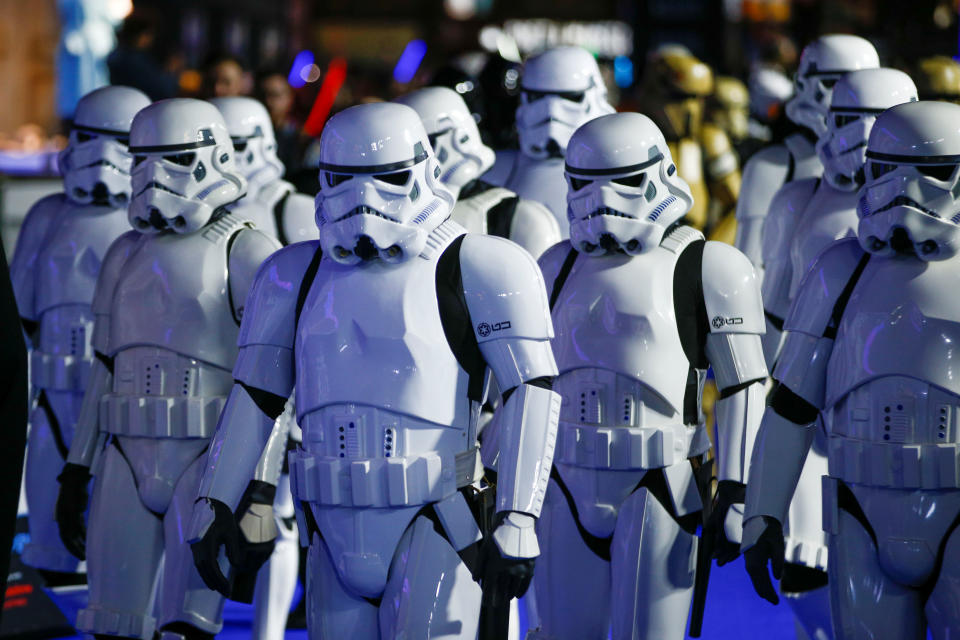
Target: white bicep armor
<point>248,251</point>
<point>507,302</point>
<point>30,242</point>
<point>731,296</point>
<point>264,376</point>
<point>787,429</point>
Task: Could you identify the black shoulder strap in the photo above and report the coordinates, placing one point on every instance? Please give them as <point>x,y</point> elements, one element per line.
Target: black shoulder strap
<point>841,303</point>
<point>562,276</point>
<point>278,218</point>
<point>692,322</point>
<point>791,166</point>
<point>230,241</point>
<point>308,276</point>
<point>500,217</point>
<point>455,318</point>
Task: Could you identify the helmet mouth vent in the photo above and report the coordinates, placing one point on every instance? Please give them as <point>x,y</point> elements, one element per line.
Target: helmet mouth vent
<point>157,221</point>
<point>607,211</point>
<point>900,241</point>
<point>100,193</point>
<point>904,201</point>
<point>364,210</point>
<point>553,149</point>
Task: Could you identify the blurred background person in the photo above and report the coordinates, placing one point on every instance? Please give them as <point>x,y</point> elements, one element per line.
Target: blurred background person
<point>134,63</point>
<point>225,75</point>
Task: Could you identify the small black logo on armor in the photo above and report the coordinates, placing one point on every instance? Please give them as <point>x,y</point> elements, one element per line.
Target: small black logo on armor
<point>719,321</point>
<point>485,329</point>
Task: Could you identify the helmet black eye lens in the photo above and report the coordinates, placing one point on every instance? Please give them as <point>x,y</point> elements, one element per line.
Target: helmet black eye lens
<point>878,169</point>
<point>138,159</point>
<point>578,183</point>
<point>124,141</point>
<point>240,145</point>
<point>84,137</point>
<point>635,180</point>
<point>828,82</point>
<point>183,159</point>
<point>937,171</point>
<point>397,179</point>
<point>333,179</point>
<point>842,120</point>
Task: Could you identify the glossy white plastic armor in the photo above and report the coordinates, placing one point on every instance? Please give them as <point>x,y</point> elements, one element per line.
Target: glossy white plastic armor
<point>856,100</point>
<point>398,198</point>
<point>388,427</point>
<point>822,63</point>
<point>561,89</point>
<point>464,160</point>
<point>96,163</point>
<point>54,270</point>
<point>893,443</point>
<point>184,167</point>
<point>624,380</point>
<point>624,190</point>
<point>271,203</point>
<point>913,186</point>
<point>167,307</point>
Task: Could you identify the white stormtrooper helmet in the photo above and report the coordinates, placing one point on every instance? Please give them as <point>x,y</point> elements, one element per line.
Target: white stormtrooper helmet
<point>560,89</point>
<point>822,63</point>
<point>96,163</point>
<point>253,140</point>
<point>624,189</point>
<point>453,134</point>
<point>769,89</point>
<point>183,166</point>
<point>858,97</point>
<point>911,200</point>
<point>380,190</point>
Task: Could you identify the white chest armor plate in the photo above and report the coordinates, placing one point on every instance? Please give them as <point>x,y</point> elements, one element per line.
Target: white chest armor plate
<point>617,313</point>
<point>174,294</point>
<point>73,249</point>
<point>831,215</point>
<point>372,335</point>
<point>902,320</point>
<point>543,181</point>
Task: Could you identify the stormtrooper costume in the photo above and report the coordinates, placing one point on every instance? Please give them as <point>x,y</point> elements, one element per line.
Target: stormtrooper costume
<point>167,308</point>
<point>279,211</point>
<point>271,203</point>
<point>624,499</point>
<point>54,270</point>
<point>386,326</point>
<point>807,216</point>
<point>869,345</point>
<point>480,206</point>
<point>560,89</point>
<point>822,63</point>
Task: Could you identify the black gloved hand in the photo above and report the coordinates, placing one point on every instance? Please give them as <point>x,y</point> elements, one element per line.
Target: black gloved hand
<point>769,547</point>
<point>222,532</point>
<point>258,536</point>
<point>728,494</point>
<point>71,506</point>
<point>502,576</point>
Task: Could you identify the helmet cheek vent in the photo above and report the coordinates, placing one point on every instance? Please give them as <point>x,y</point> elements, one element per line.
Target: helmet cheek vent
<point>415,191</point>
<point>200,172</point>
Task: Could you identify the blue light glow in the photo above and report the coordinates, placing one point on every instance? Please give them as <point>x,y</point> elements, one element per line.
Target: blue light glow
<point>623,71</point>
<point>409,61</point>
<point>296,77</point>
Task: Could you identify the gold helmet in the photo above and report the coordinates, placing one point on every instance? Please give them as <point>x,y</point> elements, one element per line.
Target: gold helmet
<point>938,78</point>
<point>729,107</point>
<point>680,82</point>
